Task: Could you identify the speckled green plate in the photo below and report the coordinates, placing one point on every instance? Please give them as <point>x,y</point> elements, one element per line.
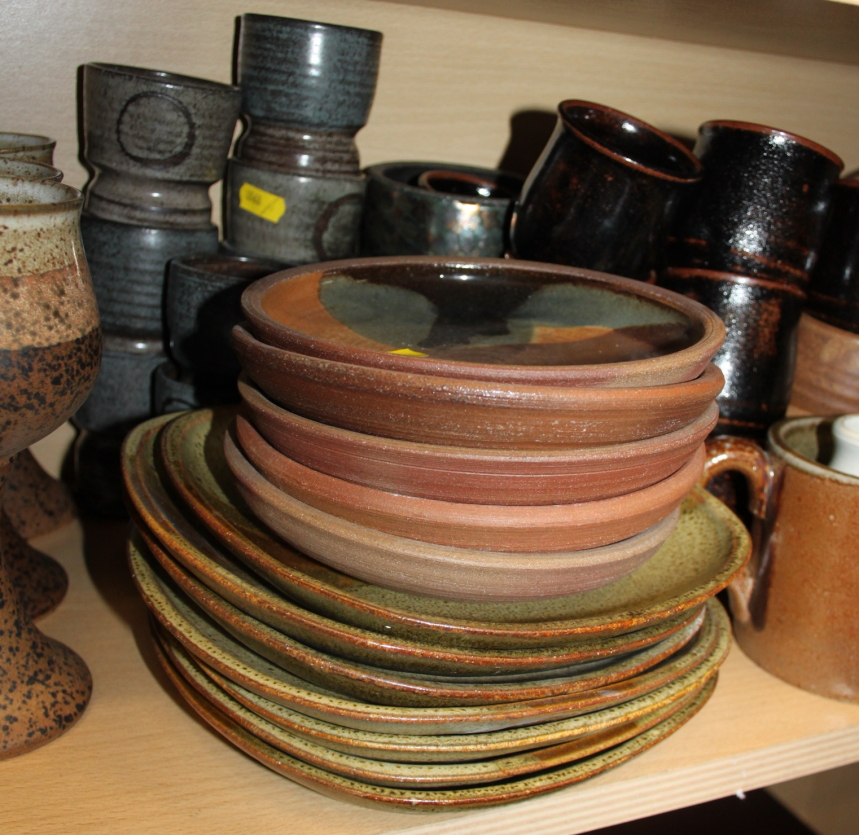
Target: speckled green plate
<point>708,547</point>
<point>377,685</point>
<point>231,659</point>
<point>341,787</point>
<point>605,733</point>
<point>470,746</point>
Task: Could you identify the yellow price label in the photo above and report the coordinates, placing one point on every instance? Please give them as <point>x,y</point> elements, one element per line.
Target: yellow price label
<point>407,352</point>
<point>261,203</point>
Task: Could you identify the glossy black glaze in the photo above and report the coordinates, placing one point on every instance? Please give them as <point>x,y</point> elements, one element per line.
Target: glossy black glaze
<point>203,303</point>
<point>833,293</point>
<point>601,194</point>
<point>403,217</point>
<point>761,207</point>
<point>758,355</point>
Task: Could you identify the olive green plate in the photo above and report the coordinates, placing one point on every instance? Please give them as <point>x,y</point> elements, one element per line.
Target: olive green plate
<point>231,659</point>
<point>603,735</point>
<point>708,547</point>
<point>377,685</point>
<point>338,786</point>
<point>471,746</point>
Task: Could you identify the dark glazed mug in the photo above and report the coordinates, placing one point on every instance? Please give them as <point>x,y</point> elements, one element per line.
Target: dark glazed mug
<point>157,141</point>
<point>795,604</point>
<point>761,207</point>
<point>759,352</point>
<point>601,194</point>
<point>430,208</point>
<point>833,293</point>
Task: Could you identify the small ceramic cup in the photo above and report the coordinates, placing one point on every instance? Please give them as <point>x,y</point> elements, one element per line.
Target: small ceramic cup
<point>307,89</point>
<point>758,355</point>
<point>129,267</point>
<point>602,192</point>
<point>202,304</point>
<point>430,208</point>
<point>156,141</point>
<point>833,292</point>
<point>29,170</point>
<point>27,147</point>
<point>795,604</point>
<point>761,207</point>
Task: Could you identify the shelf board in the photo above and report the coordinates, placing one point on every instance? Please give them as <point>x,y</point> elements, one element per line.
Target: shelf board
<point>140,762</point>
<point>819,29</point>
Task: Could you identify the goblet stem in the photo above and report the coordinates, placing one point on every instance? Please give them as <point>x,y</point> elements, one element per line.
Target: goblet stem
<point>44,686</point>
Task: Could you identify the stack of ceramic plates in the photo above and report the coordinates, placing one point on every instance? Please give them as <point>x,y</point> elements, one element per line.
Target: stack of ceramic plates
<point>472,429</point>
<point>385,696</point>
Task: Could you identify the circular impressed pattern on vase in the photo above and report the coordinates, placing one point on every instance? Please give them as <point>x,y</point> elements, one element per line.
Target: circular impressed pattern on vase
<point>155,129</point>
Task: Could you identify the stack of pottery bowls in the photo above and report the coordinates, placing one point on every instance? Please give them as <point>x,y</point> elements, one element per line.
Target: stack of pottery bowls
<point>460,415</point>
<point>432,208</point>
<point>827,362</point>
<point>156,142</point>
<point>294,188</point>
<point>202,305</point>
<point>744,242</point>
<point>384,696</point>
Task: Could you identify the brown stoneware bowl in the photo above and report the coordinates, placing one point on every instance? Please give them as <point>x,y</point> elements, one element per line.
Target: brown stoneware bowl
<point>826,379</point>
<point>437,570</point>
<point>441,410</point>
<point>478,476</point>
<point>525,528</point>
<point>504,321</point>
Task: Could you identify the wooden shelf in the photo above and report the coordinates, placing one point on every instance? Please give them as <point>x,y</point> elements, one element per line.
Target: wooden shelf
<point>140,762</point>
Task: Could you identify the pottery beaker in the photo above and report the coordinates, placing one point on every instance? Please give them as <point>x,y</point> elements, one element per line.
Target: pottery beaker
<point>29,170</point>
<point>157,141</point>
<point>602,192</point>
<point>795,604</point>
<point>27,147</point>
<point>761,207</point>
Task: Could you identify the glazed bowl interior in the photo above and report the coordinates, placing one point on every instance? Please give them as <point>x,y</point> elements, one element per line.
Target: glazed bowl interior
<point>16,192</point>
<point>29,170</point>
<point>630,139</point>
<point>485,319</point>
<point>471,184</point>
<point>158,76</point>
<point>229,266</point>
<point>19,141</point>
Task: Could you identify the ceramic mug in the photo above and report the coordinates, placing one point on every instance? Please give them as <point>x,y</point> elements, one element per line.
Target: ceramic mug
<point>795,603</point>
<point>602,192</point>
<point>761,207</point>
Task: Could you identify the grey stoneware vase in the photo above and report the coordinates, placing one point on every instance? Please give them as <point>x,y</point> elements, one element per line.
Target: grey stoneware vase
<point>50,348</point>
<point>202,305</point>
<point>156,142</point>
<point>129,269</point>
<point>27,147</point>
<point>432,208</point>
<point>294,190</point>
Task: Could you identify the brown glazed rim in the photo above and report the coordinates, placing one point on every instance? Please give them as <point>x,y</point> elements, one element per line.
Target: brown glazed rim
<point>850,181</point>
<point>734,278</point>
<point>756,128</point>
<point>38,171</point>
<point>779,445</point>
<point>160,77</point>
<point>68,198</point>
<point>711,339</point>
<point>697,165</point>
<point>23,144</point>
<point>299,23</point>
<point>379,171</point>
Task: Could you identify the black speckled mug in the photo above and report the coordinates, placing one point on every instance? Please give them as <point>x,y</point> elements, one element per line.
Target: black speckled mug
<point>761,207</point>
<point>157,141</point>
<point>602,193</point>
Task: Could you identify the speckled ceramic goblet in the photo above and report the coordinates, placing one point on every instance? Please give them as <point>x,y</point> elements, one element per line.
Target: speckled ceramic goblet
<point>27,147</point>
<point>29,170</point>
<point>50,347</point>
<point>157,141</point>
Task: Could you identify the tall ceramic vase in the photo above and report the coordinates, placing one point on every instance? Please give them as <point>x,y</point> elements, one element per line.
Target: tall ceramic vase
<point>50,348</point>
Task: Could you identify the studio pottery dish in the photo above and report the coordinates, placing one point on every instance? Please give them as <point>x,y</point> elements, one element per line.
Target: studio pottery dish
<point>473,413</point>
<point>504,321</point>
<point>480,476</point>
<point>704,553</point>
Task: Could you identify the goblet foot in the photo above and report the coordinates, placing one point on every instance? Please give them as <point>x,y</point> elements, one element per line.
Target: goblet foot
<point>35,502</point>
<point>40,582</point>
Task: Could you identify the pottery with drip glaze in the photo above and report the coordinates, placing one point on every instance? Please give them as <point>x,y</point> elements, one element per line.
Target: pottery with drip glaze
<point>602,193</point>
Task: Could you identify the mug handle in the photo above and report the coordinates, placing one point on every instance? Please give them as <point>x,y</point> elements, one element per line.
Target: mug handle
<point>744,456</point>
